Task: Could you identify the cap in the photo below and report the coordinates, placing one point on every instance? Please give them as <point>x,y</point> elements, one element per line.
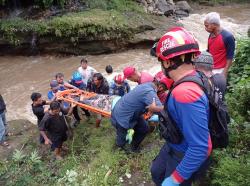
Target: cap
<point>128,71</point>
<point>205,58</point>
<point>53,83</point>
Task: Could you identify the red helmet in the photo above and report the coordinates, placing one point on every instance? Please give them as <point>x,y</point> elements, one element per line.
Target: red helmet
<point>161,78</point>
<point>175,42</point>
<point>119,79</point>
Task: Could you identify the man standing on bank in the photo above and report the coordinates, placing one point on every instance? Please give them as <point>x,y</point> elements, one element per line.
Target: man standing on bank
<point>221,44</point>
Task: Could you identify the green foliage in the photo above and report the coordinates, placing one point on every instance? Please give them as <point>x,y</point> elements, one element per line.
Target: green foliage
<point>14,29</point>
<point>42,3</point>
<point>92,160</point>
<point>232,164</point>
<point>93,24</point>
<point>119,5</point>
<point>240,70</point>
<point>232,170</point>
<point>18,156</point>
<point>25,169</point>
<point>49,3</point>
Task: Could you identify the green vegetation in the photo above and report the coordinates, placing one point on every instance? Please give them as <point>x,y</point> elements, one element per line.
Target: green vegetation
<point>92,160</point>
<point>119,5</point>
<point>93,24</point>
<point>105,20</point>
<point>232,166</point>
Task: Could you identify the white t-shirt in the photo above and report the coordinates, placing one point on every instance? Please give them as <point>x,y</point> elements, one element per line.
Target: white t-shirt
<point>110,78</point>
<point>86,73</point>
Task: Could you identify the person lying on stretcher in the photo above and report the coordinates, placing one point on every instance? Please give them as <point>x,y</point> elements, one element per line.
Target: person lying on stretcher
<point>107,103</point>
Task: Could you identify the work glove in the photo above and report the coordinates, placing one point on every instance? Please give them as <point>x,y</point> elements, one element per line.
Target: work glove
<point>129,136</point>
<point>169,181</point>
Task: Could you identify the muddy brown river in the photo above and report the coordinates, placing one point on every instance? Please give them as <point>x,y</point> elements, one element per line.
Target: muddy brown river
<point>20,76</point>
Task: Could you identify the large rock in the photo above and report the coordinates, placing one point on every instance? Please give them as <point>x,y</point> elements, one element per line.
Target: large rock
<point>181,13</point>
<point>183,5</point>
<point>165,6</point>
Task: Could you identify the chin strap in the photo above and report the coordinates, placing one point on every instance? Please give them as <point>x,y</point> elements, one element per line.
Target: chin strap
<point>176,64</point>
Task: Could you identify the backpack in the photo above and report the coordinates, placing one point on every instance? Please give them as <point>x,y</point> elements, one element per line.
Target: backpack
<point>219,116</point>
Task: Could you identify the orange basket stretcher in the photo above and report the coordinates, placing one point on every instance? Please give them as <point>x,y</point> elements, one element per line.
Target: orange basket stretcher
<point>67,95</point>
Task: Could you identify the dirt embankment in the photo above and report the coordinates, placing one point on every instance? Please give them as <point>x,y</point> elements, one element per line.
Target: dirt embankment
<point>22,132</point>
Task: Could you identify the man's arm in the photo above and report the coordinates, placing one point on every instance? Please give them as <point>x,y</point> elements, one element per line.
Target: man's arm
<point>46,139</point>
<point>193,117</point>
<point>154,108</point>
<point>42,127</point>
<point>229,63</point>
<point>230,48</point>
<point>153,102</point>
<point>69,86</point>
<point>71,108</point>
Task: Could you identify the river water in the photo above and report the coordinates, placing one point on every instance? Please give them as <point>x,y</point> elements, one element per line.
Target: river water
<point>20,76</point>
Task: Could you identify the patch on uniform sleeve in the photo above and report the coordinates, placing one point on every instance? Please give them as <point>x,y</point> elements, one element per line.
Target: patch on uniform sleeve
<point>187,92</point>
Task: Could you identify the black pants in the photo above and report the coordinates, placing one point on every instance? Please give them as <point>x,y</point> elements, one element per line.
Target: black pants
<point>76,115</point>
<point>167,160</point>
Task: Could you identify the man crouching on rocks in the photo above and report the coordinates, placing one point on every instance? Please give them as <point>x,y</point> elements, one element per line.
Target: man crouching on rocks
<point>54,124</point>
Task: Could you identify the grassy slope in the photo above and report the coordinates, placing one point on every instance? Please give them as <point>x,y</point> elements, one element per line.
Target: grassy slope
<point>91,160</point>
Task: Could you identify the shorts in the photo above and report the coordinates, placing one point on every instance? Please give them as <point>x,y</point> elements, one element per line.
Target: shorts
<point>57,142</point>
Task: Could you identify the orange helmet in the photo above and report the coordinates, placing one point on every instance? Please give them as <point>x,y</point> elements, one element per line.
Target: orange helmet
<point>175,42</point>
<point>119,79</point>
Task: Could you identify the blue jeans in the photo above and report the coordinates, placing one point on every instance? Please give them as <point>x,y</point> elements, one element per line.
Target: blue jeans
<point>2,127</point>
<point>165,163</point>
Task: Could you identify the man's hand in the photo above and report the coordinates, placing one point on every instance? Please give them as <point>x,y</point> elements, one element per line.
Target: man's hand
<point>73,104</point>
<point>129,136</point>
<point>46,109</point>
<point>151,106</point>
<point>154,108</point>
<point>225,72</point>
<point>47,141</point>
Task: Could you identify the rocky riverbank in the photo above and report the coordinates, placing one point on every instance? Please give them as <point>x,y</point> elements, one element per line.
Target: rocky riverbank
<point>85,31</point>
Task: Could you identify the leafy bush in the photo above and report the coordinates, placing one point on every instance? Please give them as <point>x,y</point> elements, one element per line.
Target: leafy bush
<point>232,165</point>
<point>240,70</point>
<point>119,5</point>
<point>93,24</point>
<point>25,169</point>
<point>231,171</point>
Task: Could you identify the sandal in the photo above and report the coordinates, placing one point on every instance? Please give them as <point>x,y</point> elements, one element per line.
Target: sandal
<point>4,144</point>
<point>9,134</point>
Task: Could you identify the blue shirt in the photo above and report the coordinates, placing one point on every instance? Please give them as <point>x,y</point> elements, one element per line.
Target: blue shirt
<point>80,85</point>
<point>51,96</point>
<point>133,104</point>
<point>189,107</point>
<point>119,90</point>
